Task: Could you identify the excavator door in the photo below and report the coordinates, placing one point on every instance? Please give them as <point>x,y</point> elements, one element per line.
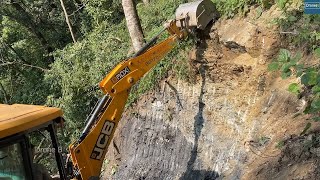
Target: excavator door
<point>196,14</point>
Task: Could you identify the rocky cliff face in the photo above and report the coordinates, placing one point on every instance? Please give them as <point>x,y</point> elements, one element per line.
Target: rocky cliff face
<point>224,126</point>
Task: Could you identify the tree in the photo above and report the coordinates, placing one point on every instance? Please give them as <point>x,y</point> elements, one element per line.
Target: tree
<point>133,24</point>
<point>30,31</point>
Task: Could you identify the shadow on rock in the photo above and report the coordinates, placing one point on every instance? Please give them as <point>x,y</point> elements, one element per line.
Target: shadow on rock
<point>198,119</point>
<point>201,174</point>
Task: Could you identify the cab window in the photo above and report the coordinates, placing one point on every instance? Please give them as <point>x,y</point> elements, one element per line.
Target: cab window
<point>11,163</point>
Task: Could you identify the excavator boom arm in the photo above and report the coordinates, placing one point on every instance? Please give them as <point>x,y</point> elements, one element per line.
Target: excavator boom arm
<point>87,155</point>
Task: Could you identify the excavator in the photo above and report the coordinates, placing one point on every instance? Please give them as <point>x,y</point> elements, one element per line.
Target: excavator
<point>87,153</point>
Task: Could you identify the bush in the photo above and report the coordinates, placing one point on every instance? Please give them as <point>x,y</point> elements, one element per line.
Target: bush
<point>302,31</point>
<point>230,8</point>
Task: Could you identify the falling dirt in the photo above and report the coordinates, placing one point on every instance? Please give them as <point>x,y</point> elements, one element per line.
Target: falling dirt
<point>237,121</point>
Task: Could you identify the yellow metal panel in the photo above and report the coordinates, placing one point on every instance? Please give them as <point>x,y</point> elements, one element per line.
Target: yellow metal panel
<point>19,117</point>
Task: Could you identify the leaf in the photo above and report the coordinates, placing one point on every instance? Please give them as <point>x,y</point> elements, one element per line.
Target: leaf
<point>311,70</point>
<point>299,69</point>
<point>292,18</point>
<point>245,9</point>
<point>284,55</point>
<point>313,78</point>
<point>307,110</point>
<point>259,12</point>
<point>297,57</point>
<point>274,66</point>
<point>316,119</point>
<point>285,75</point>
<point>280,144</point>
<point>306,128</point>
<point>294,88</point>
<point>286,67</point>
<point>317,36</point>
<point>318,80</point>
<point>281,3</point>
<point>316,89</point>
<point>316,104</point>
<point>309,78</point>
<point>317,52</point>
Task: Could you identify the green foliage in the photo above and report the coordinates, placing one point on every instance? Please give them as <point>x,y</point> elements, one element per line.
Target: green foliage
<point>155,15</point>
<point>78,68</point>
<point>263,140</point>
<point>306,128</point>
<point>303,28</point>
<point>281,3</point>
<point>294,88</point>
<point>285,63</point>
<point>29,32</point>
<point>104,11</point>
<point>303,32</point>
<point>274,66</point>
<point>230,8</point>
<point>173,61</point>
<point>310,76</point>
<point>316,119</point>
<point>309,79</point>
<point>114,170</point>
<point>317,52</point>
<point>280,144</point>
<point>21,52</point>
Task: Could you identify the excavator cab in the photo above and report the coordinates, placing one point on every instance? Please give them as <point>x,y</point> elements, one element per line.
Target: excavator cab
<point>17,123</point>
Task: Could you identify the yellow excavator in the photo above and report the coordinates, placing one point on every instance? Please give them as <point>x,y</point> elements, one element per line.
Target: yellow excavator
<point>86,155</point>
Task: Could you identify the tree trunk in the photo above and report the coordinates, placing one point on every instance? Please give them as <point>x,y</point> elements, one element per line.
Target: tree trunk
<point>67,21</point>
<point>4,94</point>
<point>133,24</point>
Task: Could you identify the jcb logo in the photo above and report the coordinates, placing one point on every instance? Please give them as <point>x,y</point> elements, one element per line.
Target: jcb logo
<point>120,75</point>
<point>102,141</point>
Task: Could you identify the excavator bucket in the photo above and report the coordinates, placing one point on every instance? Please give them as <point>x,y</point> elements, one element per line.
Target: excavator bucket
<point>195,14</point>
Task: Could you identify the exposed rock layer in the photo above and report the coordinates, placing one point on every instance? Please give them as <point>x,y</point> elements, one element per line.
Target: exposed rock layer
<point>224,126</point>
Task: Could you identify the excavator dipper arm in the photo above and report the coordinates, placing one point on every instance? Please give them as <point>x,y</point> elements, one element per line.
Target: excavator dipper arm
<point>87,154</point>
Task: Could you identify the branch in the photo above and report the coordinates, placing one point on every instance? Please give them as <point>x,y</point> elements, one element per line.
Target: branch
<point>74,12</point>
<point>32,66</point>
<point>6,64</point>
<point>67,20</point>
<point>13,50</point>
<point>27,21</point>
<point>4,93</point>
<point>295,32</point>
<point>27,65</point>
